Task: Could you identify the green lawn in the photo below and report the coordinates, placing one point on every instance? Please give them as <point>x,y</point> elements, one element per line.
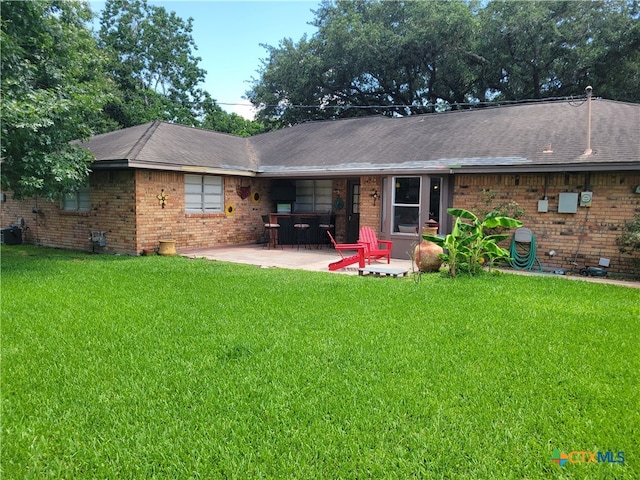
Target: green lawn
<point>155,367</point>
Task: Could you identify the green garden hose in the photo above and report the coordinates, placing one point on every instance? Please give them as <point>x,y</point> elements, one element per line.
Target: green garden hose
<point>523,258</point>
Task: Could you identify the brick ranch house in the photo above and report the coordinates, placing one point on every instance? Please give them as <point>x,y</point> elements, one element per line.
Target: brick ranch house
<point>392,174</point>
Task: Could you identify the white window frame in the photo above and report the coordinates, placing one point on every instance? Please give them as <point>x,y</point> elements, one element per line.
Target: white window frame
<point>395,203</point>
<point>203,193</point>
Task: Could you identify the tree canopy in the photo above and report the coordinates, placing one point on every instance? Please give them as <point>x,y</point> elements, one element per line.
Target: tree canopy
<point>400,58</point>
<point>152,61</point>
<point>53,88</point>
<point>60,83</point>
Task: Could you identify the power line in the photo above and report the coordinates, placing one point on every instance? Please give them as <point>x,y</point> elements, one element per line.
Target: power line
<point>571,99</point>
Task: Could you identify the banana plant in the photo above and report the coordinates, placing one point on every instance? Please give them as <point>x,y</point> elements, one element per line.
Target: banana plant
<point>467,247</point>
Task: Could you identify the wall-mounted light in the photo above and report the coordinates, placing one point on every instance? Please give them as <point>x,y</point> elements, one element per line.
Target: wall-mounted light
<point>336,192</point>
<point>375,197</point>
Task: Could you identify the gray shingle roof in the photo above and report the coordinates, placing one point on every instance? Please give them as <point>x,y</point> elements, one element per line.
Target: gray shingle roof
<point>469,139</point>
<point>172,147</point>
<point>507,138</point>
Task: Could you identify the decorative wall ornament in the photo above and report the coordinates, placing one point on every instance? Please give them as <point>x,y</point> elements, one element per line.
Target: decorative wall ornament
<point>230,209</point>
<point>162,198</point>
<point>256,197</point>
<point>243,191</point>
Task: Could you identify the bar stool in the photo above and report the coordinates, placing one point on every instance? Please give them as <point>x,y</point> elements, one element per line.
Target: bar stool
<point>325,226</point>
<point>270,232</point>
<point>302,230</point>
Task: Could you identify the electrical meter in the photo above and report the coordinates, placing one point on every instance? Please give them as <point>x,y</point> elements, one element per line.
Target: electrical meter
<point>585,199</point>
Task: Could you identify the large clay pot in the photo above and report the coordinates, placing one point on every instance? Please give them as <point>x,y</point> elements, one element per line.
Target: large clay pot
<point>426,254</point>
<point>167,247</point>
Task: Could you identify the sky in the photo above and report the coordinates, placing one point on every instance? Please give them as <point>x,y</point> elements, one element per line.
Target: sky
<point>228,35</point>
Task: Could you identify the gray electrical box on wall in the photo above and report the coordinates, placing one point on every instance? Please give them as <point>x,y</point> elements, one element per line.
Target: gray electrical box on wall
<point>568,202</point>
<point>543,206</point>
<point>585,199</point>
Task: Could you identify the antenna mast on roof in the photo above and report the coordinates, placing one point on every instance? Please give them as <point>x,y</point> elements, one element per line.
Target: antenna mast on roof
<point>589,91</point>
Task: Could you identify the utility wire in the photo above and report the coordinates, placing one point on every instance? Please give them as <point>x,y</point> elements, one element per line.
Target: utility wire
<point>575,101</point>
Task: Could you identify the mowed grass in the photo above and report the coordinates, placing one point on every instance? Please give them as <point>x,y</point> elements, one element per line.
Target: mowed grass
<point>154,367</point>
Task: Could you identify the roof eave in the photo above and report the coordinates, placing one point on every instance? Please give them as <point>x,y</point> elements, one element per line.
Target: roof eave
<point>451,169</point>
<point>125,163</point>
<point>551,168</point>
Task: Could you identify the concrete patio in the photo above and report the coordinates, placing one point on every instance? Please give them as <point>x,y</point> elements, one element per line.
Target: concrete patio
<point>318,260</point>
<point>311,259</point>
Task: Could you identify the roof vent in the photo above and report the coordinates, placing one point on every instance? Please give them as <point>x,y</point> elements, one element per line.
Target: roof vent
<point>589,91</point>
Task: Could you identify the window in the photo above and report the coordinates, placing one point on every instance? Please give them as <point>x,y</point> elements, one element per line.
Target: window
<point>313,196</point>
<point>203,194</point>
<point>406,204</point>
<point>355,199</point>
<point>76,202</point>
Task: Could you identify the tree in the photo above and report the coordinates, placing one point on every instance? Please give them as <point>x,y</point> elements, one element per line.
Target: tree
<point>53,89</point>
<point>217,119</point>
<point>152,63</point>
<point>539,49</point>
<point>401,58</point>
<point>390,58</point>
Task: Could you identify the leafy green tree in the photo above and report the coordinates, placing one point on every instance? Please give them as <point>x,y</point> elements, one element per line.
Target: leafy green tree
<point>538,49</point>
<point>53,89</point>
<point>217,119</point>
<point>611,50</point>
<point>152,63</point>
<point>391,58</point>
<point>400,58</point>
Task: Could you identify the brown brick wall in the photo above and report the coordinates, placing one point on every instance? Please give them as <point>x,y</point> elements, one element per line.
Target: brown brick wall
<point>370,214</point>
<point>125,206</point>
<point>193,230</point>
<point>112,211</point>
<point>590,233</point>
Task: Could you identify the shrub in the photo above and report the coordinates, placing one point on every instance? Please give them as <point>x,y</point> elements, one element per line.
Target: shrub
<point>629,241</point>
<point>468,247</point>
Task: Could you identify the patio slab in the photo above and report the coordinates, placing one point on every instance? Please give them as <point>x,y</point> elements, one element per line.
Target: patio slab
<point>318,261</point>
<point>311,259</point>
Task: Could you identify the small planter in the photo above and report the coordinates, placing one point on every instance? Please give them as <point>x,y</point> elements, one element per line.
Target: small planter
<point>147,252</point>
<point>167,247</point>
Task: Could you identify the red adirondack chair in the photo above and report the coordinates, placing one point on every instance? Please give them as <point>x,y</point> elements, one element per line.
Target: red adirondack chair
<point>376,249</point>
<point>350,260</point>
